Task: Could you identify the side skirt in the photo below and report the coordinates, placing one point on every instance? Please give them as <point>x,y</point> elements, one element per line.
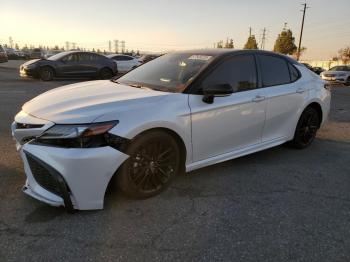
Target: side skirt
<point>236,153</point>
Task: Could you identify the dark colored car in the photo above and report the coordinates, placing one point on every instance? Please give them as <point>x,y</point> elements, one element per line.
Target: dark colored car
<point>36,53</point>
<point>3,55</point>
<point>317,70</point>
<point>146,58</point>
<point>70,64</point>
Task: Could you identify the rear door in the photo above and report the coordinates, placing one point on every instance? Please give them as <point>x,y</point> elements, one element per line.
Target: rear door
<point>285,95</point>
<point>232,122</point>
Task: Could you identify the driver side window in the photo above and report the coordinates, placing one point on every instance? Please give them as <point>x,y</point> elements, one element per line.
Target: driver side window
<point>238,71</point>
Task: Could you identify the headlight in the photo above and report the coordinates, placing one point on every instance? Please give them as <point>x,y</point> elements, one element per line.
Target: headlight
<point>77,136</point>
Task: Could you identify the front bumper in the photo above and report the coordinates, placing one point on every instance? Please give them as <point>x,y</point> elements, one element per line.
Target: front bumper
<point>26,72</point>
<point>339,79</point>
<point>85,174</point>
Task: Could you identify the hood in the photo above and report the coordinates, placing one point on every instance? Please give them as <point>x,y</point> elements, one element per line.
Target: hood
<point>30,62</point>
<point>84,102</point>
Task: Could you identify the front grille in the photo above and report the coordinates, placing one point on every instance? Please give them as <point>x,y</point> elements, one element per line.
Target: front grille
<point>43,177</point>
<point>27,126</point>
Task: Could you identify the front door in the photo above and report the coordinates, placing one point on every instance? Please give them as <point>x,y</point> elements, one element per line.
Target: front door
<point>232,122</point>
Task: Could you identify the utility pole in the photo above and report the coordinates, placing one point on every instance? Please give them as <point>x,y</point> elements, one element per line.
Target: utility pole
<point>263,39</point>
<point>109,46</point>
<point>116,46</point>
<point>250,31</point>
<point>301,30</point>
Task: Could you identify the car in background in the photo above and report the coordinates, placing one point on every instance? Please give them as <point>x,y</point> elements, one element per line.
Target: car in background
<point>125,62</point>
<point>70,64</point>
<point>316,70</point>
<point>337,74</point>
<point>3,55</point>
<point>14,54</point>
<point>146,58</point>
<point>36,53</point>
<point>180,112</point>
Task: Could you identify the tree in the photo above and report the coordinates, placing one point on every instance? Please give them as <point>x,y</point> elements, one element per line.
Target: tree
<point>251,43</point>
<point>16,46</point>
<point>344,54</point>
<point>285,43</point>
<point>302,51</point>
<point>220,44</point>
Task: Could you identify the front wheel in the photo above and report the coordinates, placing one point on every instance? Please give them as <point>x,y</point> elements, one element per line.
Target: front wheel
<point>154,160</point>
<point>106,73</point>
<point>347,83</point>
<point>306,129</point>
<point>46,73</point>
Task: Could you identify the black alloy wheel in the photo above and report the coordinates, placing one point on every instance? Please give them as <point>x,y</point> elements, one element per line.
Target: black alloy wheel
<point>307,127</point>
<point>154,160</point>
<point>46,73</point>
<point>106,73</point>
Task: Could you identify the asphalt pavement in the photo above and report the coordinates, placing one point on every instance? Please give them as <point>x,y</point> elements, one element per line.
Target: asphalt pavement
<point>277,205</point>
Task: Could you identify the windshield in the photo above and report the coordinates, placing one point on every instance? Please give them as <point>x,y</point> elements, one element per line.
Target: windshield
<point>57,56</point>
<point>340,68</point>
<point>169,73</point>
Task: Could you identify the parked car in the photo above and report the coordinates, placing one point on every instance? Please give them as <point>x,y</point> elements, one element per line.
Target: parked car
<point>317,70</point>
<point>182,111</point>
<point>70,64</point>
<point>339,74</point>
<point>37,53</point>
<point>3,55</point>
<point>146,58</point>
<point>14,54</point>
<point>125,62</point>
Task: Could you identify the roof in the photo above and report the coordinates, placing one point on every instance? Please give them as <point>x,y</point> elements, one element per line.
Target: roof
<point>226,51</point>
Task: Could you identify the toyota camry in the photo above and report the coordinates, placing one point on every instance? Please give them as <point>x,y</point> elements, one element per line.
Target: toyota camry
<point>177,113</point>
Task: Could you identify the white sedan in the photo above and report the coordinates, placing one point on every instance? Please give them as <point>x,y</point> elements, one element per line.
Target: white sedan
<point>339,74</point>
<point>124,62</point>
<point>180,112</point>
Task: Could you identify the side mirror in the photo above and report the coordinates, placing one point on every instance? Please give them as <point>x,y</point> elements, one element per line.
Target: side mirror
<point>209,92</point>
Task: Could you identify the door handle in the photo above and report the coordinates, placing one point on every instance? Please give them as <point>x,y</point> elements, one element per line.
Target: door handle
<point>258,98</point>
<point>300,90</point>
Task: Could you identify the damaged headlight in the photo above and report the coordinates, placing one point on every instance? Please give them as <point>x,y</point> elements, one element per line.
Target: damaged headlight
<point>77,136</point>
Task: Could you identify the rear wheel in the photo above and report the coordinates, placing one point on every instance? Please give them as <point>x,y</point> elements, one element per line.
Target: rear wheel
<point>306,129</point>
<point>46,73</point>
<point>154,161</point>
<point>106,73</point>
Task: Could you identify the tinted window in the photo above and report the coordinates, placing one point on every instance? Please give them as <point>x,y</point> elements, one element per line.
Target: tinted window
<point>239,71</point>
<point>121,58</point>
<point>274,70</point>
<point>294,74</point>
<point>71,58</point>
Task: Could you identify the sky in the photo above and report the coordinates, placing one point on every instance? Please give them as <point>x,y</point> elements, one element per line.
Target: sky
<point>166,25</point>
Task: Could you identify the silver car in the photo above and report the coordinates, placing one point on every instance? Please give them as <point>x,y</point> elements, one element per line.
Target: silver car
<point>339,74</point>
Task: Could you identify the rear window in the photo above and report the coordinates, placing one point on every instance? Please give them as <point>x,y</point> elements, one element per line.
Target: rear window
<point>274,70</point>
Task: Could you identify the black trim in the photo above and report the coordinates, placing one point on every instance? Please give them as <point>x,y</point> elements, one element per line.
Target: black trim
<point>192,87</point>
<point>27,126</point>
<point>64,190</point>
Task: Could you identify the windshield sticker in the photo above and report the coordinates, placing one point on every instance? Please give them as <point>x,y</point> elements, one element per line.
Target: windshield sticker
<point>200,57</point>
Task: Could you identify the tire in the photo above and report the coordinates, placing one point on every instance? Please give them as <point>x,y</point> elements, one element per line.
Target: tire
<point>347,83</point>
<point>106,73</point>
<point>46,73</point>
<point>306,129</point>
<point>153,163</point>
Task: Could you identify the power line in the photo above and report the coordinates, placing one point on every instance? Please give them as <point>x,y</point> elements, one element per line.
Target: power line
<point>263,39</point>
<point>301,30</point>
